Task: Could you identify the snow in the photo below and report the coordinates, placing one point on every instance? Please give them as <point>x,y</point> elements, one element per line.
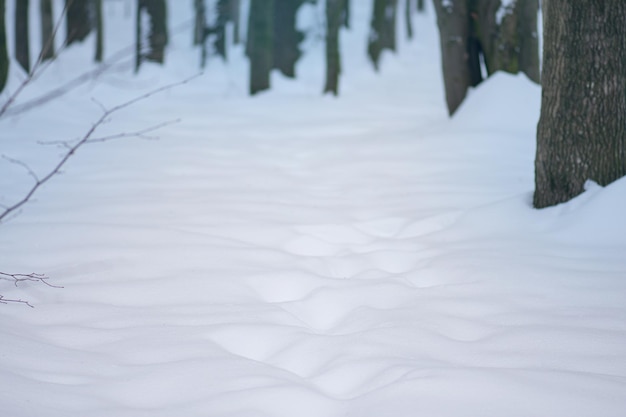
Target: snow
<point>294,254</point>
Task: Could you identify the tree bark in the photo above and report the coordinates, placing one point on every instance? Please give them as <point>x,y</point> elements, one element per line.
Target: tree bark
<point>158,37</point>
<point>4,55</point>
<point>408,11</point>
<point>383,29</point>
<point>286,37</point>
<point>78,22</point>
<point>22,49</point>
<point>333,60</point>
<point>260,45</point>
<point>99,24</point>
<point>47,30</point>
<point>454,31</point>
<point>581,133</point>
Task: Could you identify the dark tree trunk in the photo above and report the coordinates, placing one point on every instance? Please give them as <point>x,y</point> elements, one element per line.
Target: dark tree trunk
<point>383,29</point>
<point>260,44</point>
<point>475,30</point>
<point>345,14</point>
<point>333,59</point>
<point>223,17</point>
<point>157,38</point>
<point>420,5</point>
<point>582,129</point>
<point>47,30</point>
<point>454,31</point>
<point>408,11</point>
<point>4,56</point>
<point>22,50</point>
<point>138,35</point>
<point>528,38</point>
<point>78,22</point>
<point>199,22</point>
<point>235,17</point>
<point>286,37</point>
<point>99,30</point>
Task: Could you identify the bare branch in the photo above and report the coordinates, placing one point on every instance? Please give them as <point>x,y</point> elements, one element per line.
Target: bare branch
<point>23,165</point>
<point>85,139</point>
<point>137,134</point>
<point>9,300</point>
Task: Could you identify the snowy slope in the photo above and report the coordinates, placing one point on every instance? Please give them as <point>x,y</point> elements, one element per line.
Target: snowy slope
<point>298,255</point>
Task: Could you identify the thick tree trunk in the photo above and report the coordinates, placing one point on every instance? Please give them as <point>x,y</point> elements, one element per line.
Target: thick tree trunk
<point>260,45</point>
<point>22,49</point>
<point>78,23</point>
<point>333,60</point>
<point>99,31</point>
<point>454,32</point>
<point>223,16</point>
<point>4,56</point>
<point>582,129</point>
<point>383,29</point>
<point>47,30</point>
<point>286,37</point>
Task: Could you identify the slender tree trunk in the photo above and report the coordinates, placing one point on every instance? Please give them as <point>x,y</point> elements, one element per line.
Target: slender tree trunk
<point>99,31</point>
<point>78,23</point>
<point>528,38</point>
<point>4,56</point>
<point>420,5</point>
<point>454,31</point>
<point>235,17</point>
<point>408,10</point>
<point>383,29</point>
<point>345,14</point>
<point>199,22</point>
<point>47,29</point>
<point>138,36</point>
<point>581,133</point>
<point>22,49</point>
<point>286,37</point>
<point>223,17</point>
<point>333,59</point>
<point>260,45</point>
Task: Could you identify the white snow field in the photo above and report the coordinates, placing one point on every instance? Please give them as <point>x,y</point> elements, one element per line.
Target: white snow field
<point>294,255</point>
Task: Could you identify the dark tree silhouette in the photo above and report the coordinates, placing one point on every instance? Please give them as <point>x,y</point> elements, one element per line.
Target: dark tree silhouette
<point>260,44</point>
<point>22,49</point>
<point>47,29</point>
<point>4,55</point>
<point>78,21</point>
<point>383,29</point>
<point>334,20</point>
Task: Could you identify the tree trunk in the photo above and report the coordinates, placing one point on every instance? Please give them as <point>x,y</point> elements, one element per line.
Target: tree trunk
<point>383,29</point>
<point>235,17</point>
<point>223,16</point>
<point>47,30</point>
<point>528,39</point>
<point>471,31</point>
<point>345,14</point>
<point>199,22</point>
<point>260,44</point>
<point>333,60</point>
<point>157,38</point>
<point>454,31</point>
<point>78,22</point>
<point>420,5</point>
<point>581,133</point>
<point>286,37</point>
<point>4,56</point>
<point>22,49</point>
<point>99,31</point>
<point>408,11</point>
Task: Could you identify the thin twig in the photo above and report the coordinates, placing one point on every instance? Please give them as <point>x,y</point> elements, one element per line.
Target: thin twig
<point>86,139</point>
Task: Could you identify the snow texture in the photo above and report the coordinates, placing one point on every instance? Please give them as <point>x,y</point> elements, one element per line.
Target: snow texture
<point>301,255</point>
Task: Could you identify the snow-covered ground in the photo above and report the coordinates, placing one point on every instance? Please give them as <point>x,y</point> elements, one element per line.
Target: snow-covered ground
<point>299,255</point>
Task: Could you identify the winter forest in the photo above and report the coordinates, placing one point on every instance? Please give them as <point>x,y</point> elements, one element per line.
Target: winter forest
<point>312,208</point>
